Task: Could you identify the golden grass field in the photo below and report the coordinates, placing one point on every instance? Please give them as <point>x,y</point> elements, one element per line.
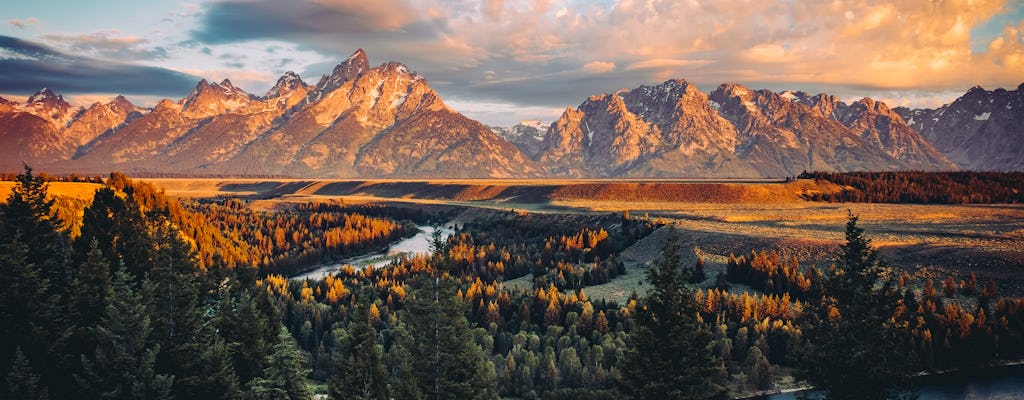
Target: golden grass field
<point>75,190</point>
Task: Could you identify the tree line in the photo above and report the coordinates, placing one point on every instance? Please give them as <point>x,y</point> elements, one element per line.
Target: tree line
<point>960,187</point>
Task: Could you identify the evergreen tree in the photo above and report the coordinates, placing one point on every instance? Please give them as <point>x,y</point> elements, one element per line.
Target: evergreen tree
<point>28,215</point>
<point>206,371</point>
<point>172,291</point>
<point>27,310</point>
<point>23,382</point>
<point>670,354</point>
<point>116,222</point>
<point>404,382</point>
<point>854,351</point>
<point>91,290</point>
<point>284,378</point>
<point>359,373</point>
<point>122,365</point>
<point>249,324</point>
<point>447,362</point>
<point>34,275</point>
<point>89,297</point>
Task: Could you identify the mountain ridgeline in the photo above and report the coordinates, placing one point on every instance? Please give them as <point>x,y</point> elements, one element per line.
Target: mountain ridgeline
<point>386,121</point>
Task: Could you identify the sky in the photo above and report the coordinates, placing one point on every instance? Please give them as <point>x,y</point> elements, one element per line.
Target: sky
<point>502,61</point>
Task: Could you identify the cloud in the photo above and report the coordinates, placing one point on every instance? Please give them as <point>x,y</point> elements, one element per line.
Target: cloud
<point>17,23</point>
<point>233,20</point>
<point>29,66</point>
<point>107,45</point>
<point>551,53</point>
<point>599,67</point>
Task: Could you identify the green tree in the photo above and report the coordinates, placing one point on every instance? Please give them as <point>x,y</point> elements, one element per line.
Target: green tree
<point>359,373</point>
<point>447,362</point>
<point>28,215</point>
<point>208,372</point>
<point>249,324</point>
<point>122,365</point>
<point>284,378</point>
<point>404,382</point>
<point>22,380</point>
<point>669,353</point>
<point>854,350</point>
<point>116,222</point>
<point>33,275</point>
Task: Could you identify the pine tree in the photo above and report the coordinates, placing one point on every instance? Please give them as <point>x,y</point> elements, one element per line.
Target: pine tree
<point>22,381</point>
<point>91,290</point>
<point>854,351</point>
<point>116,222</point>
<point>205,370</point>
<point>89,297</point>
<point>28,215</point>
<point>284,378</point>
<point>172,289</point>
<point>34,274</point>
<point>249,325</point>
<point>359,373</point>
<point>404,383</point>
<point>670,354</point>
<point>122,365</point>
<point>26,309</point>
<point>446,360</point>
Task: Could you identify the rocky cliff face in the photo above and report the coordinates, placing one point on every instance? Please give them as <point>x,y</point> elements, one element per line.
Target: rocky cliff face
<point>673,129</point>
<point>883,128</point>
<point>981,130</point>
<point>664,130</point>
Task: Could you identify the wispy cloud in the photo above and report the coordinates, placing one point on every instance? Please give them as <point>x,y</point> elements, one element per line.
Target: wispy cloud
<point>108,45</point>
<point>22,24</point>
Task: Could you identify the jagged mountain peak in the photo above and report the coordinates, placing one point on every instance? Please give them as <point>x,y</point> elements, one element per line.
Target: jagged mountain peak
<point>122,103</point>
<point>46,98</point>
<point>399,68</point>
<point>734,89</point>
<point>287,83</point>
<point>209,99</point>
<point>353,66</point>
<point>49,105</point>
<point>45,95</point>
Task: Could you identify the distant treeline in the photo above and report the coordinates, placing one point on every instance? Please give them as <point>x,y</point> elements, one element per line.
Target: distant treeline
<point>11,176</point>
<point>922,187</point>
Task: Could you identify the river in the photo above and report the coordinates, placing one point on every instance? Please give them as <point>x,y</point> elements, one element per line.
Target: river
<point>1003,383</point>
<point>419,243</point>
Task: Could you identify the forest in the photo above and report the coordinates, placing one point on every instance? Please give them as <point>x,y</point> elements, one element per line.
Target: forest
<point>152,297</point>
<point>959,187</point>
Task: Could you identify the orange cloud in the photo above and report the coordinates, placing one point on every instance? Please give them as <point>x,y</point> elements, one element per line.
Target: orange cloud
<point>599,67</point>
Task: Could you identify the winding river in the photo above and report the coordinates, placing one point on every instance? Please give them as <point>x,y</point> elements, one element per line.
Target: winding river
<point>419,243</point>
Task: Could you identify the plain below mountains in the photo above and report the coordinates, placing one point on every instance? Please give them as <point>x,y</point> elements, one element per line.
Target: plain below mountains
<point>386,121</point>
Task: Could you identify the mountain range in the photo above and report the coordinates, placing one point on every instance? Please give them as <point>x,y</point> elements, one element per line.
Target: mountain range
<point>386,121</point>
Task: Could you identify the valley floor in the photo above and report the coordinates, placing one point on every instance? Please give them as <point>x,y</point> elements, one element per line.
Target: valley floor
<point>714,217</point>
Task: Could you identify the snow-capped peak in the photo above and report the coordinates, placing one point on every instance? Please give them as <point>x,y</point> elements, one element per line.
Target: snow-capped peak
<point>535,124</point>
<point>44,95</point>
